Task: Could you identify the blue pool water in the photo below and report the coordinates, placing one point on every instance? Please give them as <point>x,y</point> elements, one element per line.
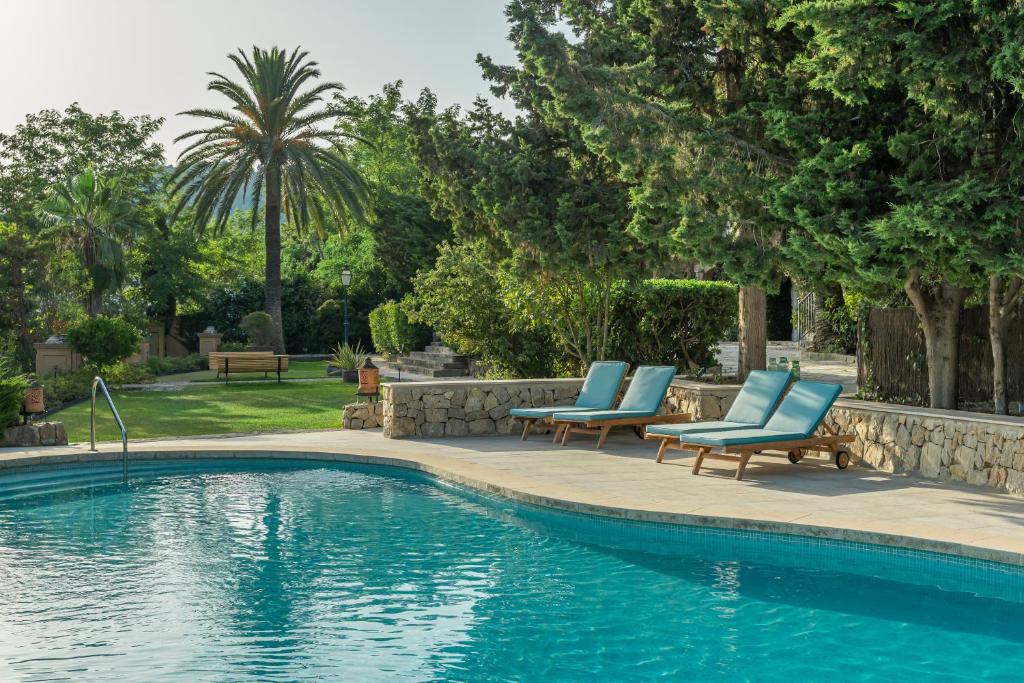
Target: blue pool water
<point>289,571</point>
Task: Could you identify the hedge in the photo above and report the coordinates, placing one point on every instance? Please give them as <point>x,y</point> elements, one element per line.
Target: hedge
<point>392,332</point>
<point>671,322</point>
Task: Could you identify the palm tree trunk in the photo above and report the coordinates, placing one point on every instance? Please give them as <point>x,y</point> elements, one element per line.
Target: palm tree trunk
<point>94,299</point>
<point>272,242</point>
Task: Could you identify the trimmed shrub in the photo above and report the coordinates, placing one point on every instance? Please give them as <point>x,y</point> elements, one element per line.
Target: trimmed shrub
<point>172,365</point>
<point>104,341</point>
<point>259,327</point>
<point>392,332</point>
<point>671,322</point>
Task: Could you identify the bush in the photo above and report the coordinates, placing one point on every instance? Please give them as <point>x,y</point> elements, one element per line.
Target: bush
<point>231,346</point>
<point>65,387</point>
<point>468,304</point>
<point>103,341</point>
<point>835,330</point>
<point>259,327</point>
<point>12,393</point>
<point>671,322</point>
<point>392,332</point>
<point>172,365</point>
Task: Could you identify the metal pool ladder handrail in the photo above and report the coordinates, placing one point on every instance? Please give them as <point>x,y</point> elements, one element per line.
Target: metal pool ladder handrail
<point>117,418</point>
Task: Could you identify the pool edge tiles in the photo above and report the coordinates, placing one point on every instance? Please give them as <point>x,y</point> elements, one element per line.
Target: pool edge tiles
<point>504,484</point>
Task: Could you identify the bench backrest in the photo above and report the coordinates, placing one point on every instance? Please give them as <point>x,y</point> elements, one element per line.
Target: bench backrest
<point>216,356</point>
<point>262,363</point>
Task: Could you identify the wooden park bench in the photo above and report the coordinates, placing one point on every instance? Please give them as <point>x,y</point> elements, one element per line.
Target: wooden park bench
<point>226,362</point>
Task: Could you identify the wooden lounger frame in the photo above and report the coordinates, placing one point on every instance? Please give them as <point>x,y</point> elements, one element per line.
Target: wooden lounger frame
<point>831,442</point>
<point>603,427</point>
<point>546,423</point>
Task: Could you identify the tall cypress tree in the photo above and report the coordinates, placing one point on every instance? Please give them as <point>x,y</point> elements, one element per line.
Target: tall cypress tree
<point>911,163</point>
<point>673,94</point>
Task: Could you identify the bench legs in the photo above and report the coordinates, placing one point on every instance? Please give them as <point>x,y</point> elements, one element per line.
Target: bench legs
<point>604,435</point>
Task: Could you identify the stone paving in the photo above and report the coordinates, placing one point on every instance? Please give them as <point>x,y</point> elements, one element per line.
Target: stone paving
<point>623,480</point>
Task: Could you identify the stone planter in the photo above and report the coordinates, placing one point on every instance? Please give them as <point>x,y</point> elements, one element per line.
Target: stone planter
<point>350,376</point>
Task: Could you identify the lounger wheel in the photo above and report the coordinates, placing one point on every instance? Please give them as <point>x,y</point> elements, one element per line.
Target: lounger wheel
<point>795,455</point>
<point>842,458</point>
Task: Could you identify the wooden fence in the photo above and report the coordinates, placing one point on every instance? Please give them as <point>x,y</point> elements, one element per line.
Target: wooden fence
<point>894,357</point>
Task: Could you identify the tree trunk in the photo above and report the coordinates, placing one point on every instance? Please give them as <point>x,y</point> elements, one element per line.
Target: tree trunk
<point>94,303</point>
<point>753,331</point>
<point>938,309</point>
<point>272,270</point>
<point>94,299</point>
<point>1001,309</point>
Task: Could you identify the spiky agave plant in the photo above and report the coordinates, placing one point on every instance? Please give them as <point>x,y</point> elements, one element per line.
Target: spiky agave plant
<point>275,146</point>
<point>94,217</point>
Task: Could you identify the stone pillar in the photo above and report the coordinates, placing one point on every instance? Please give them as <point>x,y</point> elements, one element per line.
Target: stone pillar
<point>209,341</point>
<point>55,356</point>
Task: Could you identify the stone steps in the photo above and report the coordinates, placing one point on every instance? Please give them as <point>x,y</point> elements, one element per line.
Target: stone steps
<point>436,360</point>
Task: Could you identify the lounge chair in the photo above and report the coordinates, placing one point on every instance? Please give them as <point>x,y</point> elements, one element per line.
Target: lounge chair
<point>790,430</point>
<point>639,407</point>
<point>600,389</point>
<point>751,410</point>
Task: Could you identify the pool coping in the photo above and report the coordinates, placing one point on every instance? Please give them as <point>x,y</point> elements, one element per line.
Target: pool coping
<point>483,479</point>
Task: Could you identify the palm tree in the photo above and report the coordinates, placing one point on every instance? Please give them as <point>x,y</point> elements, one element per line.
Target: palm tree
<point>271,144</point>
<point>95,217</point>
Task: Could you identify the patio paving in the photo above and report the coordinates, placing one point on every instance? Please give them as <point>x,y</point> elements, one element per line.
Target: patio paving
<point>623,480</point>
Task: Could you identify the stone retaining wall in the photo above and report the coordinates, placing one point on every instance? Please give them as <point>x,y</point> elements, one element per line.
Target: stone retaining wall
<point>974,448</point>
<point>362,415</point>
<point>702,400</point>
<point>37,434</point>
<point>476,407</point>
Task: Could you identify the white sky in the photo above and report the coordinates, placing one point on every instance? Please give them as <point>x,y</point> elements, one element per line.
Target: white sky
<point>151,56</point>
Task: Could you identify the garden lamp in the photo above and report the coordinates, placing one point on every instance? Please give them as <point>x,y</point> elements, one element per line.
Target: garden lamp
<point>346,279</point>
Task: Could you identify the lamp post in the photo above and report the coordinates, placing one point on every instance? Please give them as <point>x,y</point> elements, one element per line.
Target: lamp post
<point>346,280</point>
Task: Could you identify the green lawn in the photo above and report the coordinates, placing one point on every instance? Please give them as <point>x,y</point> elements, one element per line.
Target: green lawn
<point>300,369</point>
<point>214,409</point>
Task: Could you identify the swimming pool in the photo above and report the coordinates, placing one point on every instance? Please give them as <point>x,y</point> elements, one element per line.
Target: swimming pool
<point>294,570</point>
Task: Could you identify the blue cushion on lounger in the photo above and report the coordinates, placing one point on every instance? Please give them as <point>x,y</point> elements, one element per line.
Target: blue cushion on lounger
<point>541,413</point>
<point>647,389</point>
<point>751,409</point>
<point>591,415</point>
<point>604,378</point>
<point>739,437</point>
<point>697,428</point>
<point>804,408</point>
<point>758,397</point>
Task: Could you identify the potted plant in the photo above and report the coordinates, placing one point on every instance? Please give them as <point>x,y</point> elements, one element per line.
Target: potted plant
<point>348,360</point>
